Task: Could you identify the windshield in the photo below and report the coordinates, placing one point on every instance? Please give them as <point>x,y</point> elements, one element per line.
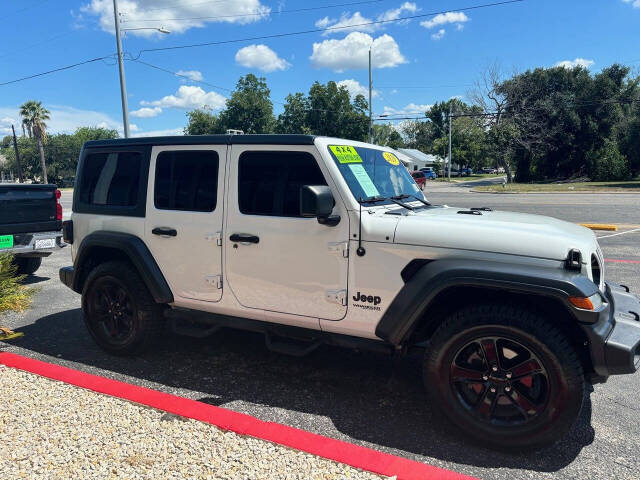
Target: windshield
<point>373,173</point>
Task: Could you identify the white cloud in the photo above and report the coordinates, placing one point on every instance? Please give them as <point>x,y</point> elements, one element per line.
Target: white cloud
<point>189,96</point>
<point>193,75</point>
<point>352,52</point>
<point>146,112</point>
<point>578,62</point>
<point>169,132</point>
<point>355,88</point>
<point>411,109</point>
<point>396,13</point>
<point>65,119</point>
<point>439,34</point>
<point>444,19</point>
<point>139,13</point>
<point>261,57</point>
<point>635,3</point>
<point>354,22</point>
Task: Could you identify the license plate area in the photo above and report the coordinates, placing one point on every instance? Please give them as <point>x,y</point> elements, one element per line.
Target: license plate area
<point>45,243</point>
<point>6,241</point>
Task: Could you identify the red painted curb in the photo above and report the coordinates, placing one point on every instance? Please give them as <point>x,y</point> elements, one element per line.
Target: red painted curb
<point>620,260</point>
<point>337,450</point>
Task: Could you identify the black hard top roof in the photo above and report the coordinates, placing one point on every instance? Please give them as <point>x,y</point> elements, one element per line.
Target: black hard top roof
<point>206,140</point>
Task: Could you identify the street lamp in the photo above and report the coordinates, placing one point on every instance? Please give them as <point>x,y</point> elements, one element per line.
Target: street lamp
<point>123,83</point>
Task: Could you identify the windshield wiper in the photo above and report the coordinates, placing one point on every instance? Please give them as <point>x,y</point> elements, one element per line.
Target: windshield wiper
<point>397,201</point>
<point>422,200</point>
<point>376,199</point>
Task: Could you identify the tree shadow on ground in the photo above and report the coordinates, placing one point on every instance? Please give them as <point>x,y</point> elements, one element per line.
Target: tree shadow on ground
<point>362,395</point>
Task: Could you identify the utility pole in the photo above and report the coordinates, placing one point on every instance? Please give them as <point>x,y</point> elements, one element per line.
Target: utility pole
<point>370,100</point>
<point>15,148</point>
<point>123,82</point>
<point>449,142</point>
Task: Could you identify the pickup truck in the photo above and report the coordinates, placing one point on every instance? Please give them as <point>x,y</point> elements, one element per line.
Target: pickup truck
<point>30,223</point>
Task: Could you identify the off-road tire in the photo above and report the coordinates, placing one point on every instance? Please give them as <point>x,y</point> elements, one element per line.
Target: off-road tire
<point>27,265</point>
<point>146,317</point>
<point>562,367</point>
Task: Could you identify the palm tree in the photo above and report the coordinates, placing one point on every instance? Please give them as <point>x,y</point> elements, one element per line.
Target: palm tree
<point>34,116</point>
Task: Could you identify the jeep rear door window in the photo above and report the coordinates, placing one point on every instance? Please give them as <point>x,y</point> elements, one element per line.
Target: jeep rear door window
<point>187,180</point>
<point>370,172</point>
<point>111,179</point>
<point>269,183</point>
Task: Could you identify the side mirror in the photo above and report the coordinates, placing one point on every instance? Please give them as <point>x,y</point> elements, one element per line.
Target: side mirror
<point>316,201</point>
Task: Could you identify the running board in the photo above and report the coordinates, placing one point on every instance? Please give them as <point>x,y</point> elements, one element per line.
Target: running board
<point>294,348</point>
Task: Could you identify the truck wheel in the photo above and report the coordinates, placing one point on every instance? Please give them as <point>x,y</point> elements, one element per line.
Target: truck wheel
<point>118,310</point>
<point>28,265</point>
<point>505,376</point>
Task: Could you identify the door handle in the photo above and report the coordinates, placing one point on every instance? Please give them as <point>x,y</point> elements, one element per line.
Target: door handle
<point>244,238</point>
<point>166,232</point>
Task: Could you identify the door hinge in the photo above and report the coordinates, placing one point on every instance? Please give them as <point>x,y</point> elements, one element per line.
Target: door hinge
<point>214,280</point>
<point>337,296</point>
<point>341,248</point>
<point>210,237</point>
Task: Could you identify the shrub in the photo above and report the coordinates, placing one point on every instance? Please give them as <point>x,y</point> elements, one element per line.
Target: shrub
<point>13,295</point>
<point>607,163</point>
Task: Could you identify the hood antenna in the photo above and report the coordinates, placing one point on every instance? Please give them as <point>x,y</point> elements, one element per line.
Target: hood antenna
<point>360,251</point>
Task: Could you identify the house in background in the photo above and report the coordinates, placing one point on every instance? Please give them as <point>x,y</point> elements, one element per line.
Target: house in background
<point>415,159</point>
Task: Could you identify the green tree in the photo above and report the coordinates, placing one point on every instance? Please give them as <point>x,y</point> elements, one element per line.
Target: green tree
<point>202,121</point>
<point>294,117</point>
<point>34,118</point>
<point>250,108</point>
<point>387,135</point>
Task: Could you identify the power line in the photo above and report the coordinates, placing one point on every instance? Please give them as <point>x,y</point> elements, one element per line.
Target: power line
<point>317,30</point>
<point>257,14</point>
<point>67,67</point>
<point>182,5</point>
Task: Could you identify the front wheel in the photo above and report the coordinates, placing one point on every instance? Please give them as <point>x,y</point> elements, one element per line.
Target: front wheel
<point>505,376</point>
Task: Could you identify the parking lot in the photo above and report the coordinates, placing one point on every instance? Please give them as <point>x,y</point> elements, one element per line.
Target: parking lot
<point>360,397</point>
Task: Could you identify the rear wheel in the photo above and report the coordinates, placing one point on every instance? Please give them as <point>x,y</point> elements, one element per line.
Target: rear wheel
<point>504,375</point>
<point>28,265</point>
<point>119,311</point>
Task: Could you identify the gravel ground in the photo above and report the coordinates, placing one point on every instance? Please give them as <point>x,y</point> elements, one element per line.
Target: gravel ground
<point>51,430</point>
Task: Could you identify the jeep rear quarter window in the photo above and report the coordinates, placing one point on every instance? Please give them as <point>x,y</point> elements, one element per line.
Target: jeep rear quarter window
<point>111,179</point>
<point>269,183</point>
<point>187,180</point>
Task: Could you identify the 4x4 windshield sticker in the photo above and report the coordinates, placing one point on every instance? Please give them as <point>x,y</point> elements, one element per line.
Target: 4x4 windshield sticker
<point>345,154</point>
<point>364,180</point>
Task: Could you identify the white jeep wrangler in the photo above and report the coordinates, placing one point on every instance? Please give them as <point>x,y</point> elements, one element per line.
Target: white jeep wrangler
<point>315,240</point>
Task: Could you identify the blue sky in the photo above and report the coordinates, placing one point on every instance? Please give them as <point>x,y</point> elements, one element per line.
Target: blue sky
<point>417,62</point>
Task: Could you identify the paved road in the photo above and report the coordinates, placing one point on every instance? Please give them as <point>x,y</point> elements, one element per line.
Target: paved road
<point>362,397</point>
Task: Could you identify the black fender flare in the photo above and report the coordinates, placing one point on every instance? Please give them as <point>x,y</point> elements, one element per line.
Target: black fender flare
<point>137,253</point>
<point>413,301</point>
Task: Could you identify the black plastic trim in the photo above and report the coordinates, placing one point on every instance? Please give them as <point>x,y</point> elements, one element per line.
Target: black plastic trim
<point>135,250</point>
<point>413,300</point>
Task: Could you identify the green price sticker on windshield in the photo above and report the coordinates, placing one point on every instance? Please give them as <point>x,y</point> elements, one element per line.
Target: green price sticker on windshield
<point>345,154</point>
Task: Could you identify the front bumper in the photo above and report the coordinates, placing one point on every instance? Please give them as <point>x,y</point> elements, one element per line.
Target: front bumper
<point>614,340</point>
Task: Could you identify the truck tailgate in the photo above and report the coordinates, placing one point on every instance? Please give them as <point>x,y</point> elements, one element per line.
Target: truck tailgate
<point>27,208</point>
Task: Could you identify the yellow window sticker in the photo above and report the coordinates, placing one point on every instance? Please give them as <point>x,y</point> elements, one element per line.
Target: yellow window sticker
<point>345,154</point>
<point>391,158</point>
<point>363,178</point>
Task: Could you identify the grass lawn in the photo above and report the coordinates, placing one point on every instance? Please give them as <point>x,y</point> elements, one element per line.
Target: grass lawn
<point>609,187</point>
